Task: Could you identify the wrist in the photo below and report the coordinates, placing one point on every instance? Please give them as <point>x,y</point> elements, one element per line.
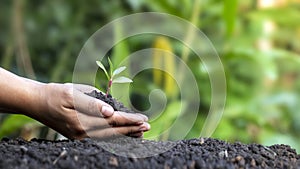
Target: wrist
<point>34,97</point>
<point>20,95</point>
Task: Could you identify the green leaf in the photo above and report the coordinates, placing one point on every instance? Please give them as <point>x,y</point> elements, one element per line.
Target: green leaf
<point>121,49</point>
<point>161,125</point>
<point>13,123</point>
<point>122,79</point>
<point>166,6</point>
<point>229,13</point>
<point>111,67</point>
<point>119,70</point>
<point>291,14</point>
<point>103,68</point>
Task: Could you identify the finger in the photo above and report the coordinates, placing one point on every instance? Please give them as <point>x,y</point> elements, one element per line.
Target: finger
<point>122,118</point>
<point>92,123</point>
<point>91,106</point>
<point>114,132</point>
<point>145,127</point>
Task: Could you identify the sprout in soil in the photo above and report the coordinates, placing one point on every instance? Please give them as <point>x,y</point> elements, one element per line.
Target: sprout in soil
<point>111,76</point>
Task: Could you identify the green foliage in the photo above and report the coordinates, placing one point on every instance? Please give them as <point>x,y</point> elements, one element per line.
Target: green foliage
<point>121,49</point>
<point>111,76</point>
<point>14,123</point>
<point>229,13</point>
<point>161,124</point>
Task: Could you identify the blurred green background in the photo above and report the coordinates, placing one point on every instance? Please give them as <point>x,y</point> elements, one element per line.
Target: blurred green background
<point>257,41</point>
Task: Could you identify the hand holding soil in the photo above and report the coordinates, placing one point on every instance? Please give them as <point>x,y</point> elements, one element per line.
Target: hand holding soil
<point>60,106</point>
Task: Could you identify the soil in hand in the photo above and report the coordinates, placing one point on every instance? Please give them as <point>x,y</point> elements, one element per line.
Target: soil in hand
<point>118,106</point>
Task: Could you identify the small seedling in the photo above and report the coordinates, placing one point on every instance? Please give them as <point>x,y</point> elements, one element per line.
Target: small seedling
<point>111,76</point>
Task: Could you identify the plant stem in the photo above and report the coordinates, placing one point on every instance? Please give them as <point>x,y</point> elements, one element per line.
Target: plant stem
<point>108,87</point>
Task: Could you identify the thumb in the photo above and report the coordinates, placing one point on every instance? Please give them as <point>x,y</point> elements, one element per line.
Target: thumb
<point>91,106</point>
<point>106,109</point>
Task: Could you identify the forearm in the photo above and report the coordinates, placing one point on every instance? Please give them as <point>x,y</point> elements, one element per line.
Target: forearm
<point>18,94</point>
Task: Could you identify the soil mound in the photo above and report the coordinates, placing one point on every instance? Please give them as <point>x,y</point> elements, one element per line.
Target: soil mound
<point>194,153</point>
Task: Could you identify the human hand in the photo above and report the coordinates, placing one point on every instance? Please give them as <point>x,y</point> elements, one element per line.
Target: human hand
<point>66,109</point>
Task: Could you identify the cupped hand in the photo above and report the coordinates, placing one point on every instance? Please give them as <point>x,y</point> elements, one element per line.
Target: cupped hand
<point>66,109</point>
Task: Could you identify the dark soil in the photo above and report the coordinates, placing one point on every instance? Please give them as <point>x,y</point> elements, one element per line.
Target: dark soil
<point>195,153</point>
<point>118,106</point>
<point>134,153</point>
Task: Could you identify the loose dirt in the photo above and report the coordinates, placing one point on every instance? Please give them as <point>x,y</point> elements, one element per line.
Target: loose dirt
<point>195,153</point>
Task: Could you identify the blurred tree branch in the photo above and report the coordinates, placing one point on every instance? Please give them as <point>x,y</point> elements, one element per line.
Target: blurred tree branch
<point>22,52</point>
<point>8,55</point>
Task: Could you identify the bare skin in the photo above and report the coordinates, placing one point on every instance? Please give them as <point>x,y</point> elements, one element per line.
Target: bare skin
<point>66,109</point>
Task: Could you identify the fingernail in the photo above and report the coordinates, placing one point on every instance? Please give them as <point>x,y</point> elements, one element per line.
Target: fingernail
<point>139,123</point>
<point>145,127</point>
<point>107,111</point>
<point>148,126</point>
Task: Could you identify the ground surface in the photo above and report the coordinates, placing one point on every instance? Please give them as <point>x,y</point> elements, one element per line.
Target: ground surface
<point>195,153</point>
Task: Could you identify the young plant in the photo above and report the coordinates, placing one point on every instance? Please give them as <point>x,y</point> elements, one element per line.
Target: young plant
<point>111,76</point>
